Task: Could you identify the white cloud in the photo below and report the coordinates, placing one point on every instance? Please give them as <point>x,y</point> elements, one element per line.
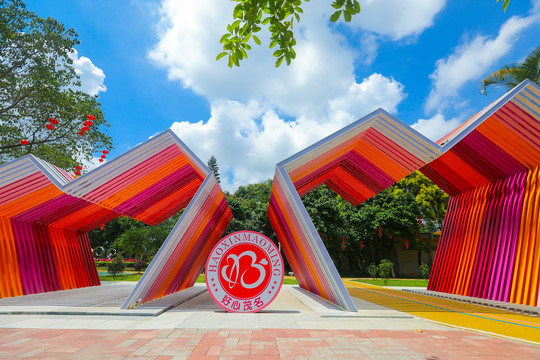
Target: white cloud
<point>375,91</point>
<point>91,76</point>
<point>436,127</point>
<point>397,18</point>
<point>248,140</point>
<point>470,61</point>
<point>250,129</point>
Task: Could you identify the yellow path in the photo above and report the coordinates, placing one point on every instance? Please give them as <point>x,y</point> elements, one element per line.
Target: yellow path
<point>454,313</point>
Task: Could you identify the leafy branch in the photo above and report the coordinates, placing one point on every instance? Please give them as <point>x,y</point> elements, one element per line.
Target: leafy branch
<point>279,15</point>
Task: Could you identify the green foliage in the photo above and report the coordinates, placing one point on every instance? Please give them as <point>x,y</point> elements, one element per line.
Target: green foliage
<point>511,75</point>
<point>431,200</point>
<point>424,268</point>
<point>394,282</point>
<point>132,237</point>
<point>213,166</point>
<point>373,270</point>
<point>505,4</point>
<point>116,266</point>
<point>140,265</point>
<point>38,82</point>
<point>249,206</point>
<point>345,7</point>
<point>385,269</point>
<point>279,16</point>
<point>143,241</point>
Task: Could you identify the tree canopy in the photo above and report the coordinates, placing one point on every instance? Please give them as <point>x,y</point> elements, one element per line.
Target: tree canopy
<point>42,108</point>
<point>511,75</point>
<point>213,166</point>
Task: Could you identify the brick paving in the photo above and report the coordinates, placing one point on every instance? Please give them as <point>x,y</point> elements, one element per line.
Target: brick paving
<point>258,344</point>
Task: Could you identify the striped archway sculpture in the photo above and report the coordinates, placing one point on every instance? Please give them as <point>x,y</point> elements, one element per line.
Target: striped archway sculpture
<point>490,243</point>
<point>45,215</point>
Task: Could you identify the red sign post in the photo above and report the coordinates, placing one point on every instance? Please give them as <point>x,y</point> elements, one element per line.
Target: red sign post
<point>244,272</point>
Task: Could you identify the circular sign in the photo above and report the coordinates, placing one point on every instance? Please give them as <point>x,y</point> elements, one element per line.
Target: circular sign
<point>244,272</point>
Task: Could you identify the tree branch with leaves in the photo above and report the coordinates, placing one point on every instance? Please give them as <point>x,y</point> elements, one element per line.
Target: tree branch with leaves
<point>279,15</point>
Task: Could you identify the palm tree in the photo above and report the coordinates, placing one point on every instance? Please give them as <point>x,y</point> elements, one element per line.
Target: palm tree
<point>512,75</point>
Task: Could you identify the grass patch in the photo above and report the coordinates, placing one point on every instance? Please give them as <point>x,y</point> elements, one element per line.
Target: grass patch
<point>395,282</point>
<point>120,277</point>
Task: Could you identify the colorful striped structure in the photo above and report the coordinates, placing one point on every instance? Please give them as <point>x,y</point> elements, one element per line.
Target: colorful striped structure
<point>490,243</point>
<point>45,215</point>
<point>357,162</point>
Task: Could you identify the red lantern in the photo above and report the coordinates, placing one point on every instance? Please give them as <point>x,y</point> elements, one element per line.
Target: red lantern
<point>50,126</point>
<point>406,244</point>
<point>85,128</point>
<point>24,142</point>
<point>53,121</point>
<point>105,152</point>
<point>91,117</point>
<point>343,245</point>
<point>100,160</point>
<point>78,167</point>
<point>103,156</point>
<point>81,133</point>
<point>361,244</point>
<point>88,123</point>
<point>77,172</point>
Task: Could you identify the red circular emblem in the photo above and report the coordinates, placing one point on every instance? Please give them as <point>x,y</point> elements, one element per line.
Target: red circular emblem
<point>244,272</point>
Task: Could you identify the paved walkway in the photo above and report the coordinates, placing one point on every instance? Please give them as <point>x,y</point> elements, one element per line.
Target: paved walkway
<point>295,326</point>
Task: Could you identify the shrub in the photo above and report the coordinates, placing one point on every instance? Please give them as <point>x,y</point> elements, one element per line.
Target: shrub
<point>385,269</point>
<point>140,265</point>
<point>373,270</point>
<point>424,268</point>
<point>116,266</point>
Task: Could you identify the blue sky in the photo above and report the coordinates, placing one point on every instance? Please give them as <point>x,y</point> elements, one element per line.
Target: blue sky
<point>153,65</point>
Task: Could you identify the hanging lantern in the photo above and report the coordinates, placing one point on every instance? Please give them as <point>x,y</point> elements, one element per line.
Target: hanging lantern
<point>24,142</point>
<point>343,244</point>
<point>91,117</point>
<point>50,126</point>
<point>103,156</point>
<point>361,244</point>
<point>53,121</point>
<point>88,123</point>
<point>406,244</point>
<point>105,152</point>
<point>78,167</point>
<point>100,160</point>
<point>77,172</point>
<point>85,128</point>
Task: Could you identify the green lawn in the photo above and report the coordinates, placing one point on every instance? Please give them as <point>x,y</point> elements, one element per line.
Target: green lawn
<point>395,282</point>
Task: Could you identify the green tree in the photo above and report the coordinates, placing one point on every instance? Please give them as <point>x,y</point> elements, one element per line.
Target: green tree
<point>249,206</point>
<point>385,269</point>
<point>431,199</point>
<point>116,266</point>
<point>511,75</point>
<point>42,108</point>
<point>143,241</point>
<point>279,15</point>
<point>213,166</point>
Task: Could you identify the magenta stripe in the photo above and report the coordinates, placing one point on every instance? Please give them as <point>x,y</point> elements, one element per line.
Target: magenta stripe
<point>133,174</point>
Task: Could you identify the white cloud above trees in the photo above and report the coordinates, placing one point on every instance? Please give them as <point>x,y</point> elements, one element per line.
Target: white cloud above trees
<point>92,78</point>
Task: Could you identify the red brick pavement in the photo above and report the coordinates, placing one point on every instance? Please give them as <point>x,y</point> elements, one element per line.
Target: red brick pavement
<point>258,344</point>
